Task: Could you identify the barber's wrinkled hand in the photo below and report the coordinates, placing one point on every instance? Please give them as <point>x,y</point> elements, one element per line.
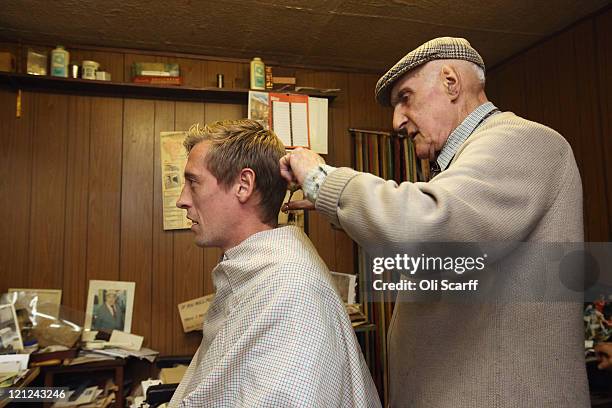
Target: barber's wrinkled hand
<point>294,168</point>
<point>604,355</point>
<point>296,165</point>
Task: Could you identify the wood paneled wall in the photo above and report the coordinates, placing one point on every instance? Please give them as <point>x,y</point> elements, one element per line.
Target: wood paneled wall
<point>81,191</point>
<point>565,83</point>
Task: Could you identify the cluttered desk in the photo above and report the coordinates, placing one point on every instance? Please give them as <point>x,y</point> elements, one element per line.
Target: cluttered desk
<point>45,348</point>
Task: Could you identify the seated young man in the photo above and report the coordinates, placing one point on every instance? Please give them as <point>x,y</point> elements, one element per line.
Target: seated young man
<point>276,333</point>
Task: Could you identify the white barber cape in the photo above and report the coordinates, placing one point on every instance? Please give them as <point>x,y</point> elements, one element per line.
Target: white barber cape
<point>276,334</point>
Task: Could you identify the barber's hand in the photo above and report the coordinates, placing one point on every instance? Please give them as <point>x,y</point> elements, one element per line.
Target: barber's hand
<point>604,355</point>
<point>296,165</point>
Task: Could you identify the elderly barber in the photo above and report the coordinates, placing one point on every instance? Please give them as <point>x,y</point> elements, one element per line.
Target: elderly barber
<point>497,177</point>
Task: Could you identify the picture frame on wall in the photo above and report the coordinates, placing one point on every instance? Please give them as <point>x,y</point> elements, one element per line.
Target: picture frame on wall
<point>110,305</point>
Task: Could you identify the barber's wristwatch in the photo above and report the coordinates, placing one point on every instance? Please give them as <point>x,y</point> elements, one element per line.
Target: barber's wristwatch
<point>314,180</point>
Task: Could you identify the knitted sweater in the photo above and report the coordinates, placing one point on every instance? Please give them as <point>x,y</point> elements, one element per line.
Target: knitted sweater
<point>512,181</point>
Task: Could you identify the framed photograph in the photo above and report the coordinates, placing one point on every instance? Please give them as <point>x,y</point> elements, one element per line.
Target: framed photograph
<point>259,108</point>
<point>110,305</point>
<point>10,335</point>
<point>48,300</point>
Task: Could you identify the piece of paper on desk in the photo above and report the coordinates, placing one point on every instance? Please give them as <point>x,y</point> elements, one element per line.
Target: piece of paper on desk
<point>7,379</point>
<point>87,357</point>
<point>88,335</point>
<point>143,353</point>
<point>318,109</point>
<point>86,397</point>
<point>193,311</point>
<point>14,362</point>
<point>126,340</point>
<point>10,367</point>
<point>172,375</point>
<point>139,402</point>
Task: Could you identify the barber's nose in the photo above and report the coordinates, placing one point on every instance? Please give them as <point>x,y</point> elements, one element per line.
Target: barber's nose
<point>400,121</point>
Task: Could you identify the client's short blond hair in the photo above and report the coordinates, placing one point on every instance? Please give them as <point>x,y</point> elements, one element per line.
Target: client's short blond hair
<point>240,144</point>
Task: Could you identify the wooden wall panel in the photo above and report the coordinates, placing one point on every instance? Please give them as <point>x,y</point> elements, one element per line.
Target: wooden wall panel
<point>561,83</point>
<point>15,189</point>
<point>235,75</point>
<point>364,111</point>
<point>193,72</point>
<point>77,179</point>
<point>511,96</point>
<point>48,191</point>
<point>588,115</point>
<point>104,212</point>
<point>188,258</point>
<point>603,41</point>
<point>568,125</point>
<point>163,308</point>
<point>341,149</point>
<point>137,207</point>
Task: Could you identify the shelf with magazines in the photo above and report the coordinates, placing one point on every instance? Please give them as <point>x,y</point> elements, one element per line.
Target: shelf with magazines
<point>36,83</point>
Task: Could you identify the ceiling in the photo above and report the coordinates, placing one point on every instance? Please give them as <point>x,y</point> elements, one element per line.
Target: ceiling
<point>368,35</point>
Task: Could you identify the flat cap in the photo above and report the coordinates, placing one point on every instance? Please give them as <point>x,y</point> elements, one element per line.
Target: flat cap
<point>438,48</point>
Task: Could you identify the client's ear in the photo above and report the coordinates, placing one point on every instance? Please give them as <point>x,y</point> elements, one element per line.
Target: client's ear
<point>245,184</point>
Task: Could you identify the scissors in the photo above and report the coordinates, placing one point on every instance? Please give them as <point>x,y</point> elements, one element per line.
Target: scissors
<point>293,187</point>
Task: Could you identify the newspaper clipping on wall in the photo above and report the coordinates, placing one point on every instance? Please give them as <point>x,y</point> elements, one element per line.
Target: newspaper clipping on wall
<point>173,160</point>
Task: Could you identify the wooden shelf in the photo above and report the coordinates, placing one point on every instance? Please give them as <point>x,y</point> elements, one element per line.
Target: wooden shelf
<point>365,328</point>
<point>128,90</point>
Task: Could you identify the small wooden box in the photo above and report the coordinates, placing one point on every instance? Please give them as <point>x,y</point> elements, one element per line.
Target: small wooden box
<point>7,61</point>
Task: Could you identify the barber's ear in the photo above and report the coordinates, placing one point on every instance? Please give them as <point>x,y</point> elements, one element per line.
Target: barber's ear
<point>246,185</point>
<point>450,79</point>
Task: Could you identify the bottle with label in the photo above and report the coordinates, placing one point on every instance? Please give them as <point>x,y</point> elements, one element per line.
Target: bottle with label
<point>59,62</point>
<point>258,74</point>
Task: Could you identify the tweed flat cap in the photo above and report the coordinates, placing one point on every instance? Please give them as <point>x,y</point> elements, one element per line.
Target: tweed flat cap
<point>438,48</point>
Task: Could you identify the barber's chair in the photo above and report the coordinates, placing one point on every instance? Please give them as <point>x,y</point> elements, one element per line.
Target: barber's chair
<point>160,394</point>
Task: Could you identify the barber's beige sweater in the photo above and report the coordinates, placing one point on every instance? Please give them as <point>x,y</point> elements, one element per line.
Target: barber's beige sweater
<point>512,181</point>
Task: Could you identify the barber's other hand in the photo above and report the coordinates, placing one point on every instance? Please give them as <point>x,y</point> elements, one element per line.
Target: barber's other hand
<point>604,355</point>
<point>296,165</point>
